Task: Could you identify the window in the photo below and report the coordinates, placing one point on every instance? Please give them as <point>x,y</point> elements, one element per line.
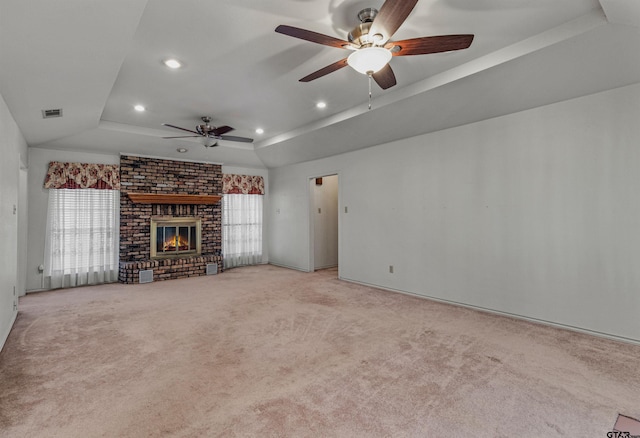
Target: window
<point>241,229</point>
<point>82,237</point>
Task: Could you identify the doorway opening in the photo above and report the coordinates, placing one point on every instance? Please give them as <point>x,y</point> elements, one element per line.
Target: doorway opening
<point>324,227</point>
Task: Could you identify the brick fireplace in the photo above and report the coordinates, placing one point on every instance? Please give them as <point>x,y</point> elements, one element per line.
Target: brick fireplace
<point>169,192</point>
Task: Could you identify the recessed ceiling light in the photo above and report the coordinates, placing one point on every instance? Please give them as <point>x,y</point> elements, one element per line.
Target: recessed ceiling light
<point>182,150</point>
<point>259,131</point>
<point>172,63</point>
<point>139,108</point>
<point>321,105</point>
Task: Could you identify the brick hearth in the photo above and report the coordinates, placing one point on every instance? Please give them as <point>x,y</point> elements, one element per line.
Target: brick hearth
<point>150,175</point>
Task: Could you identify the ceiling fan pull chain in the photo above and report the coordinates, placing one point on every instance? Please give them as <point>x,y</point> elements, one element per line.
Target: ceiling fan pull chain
<point>370,76</point>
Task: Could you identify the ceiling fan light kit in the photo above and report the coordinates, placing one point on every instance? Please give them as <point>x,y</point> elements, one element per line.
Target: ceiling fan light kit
<point>369,60</point>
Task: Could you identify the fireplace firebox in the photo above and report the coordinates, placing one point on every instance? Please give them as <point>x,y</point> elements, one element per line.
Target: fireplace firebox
<point>175,236</point>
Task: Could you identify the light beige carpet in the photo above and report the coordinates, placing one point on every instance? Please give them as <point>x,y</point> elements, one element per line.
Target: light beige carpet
<point>269,352</point>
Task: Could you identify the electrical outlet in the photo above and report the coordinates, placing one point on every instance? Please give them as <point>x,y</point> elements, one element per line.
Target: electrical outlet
<point>390,269</point>
<point>346,210</point>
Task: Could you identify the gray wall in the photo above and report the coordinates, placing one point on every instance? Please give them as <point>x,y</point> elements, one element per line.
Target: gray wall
<point>14,150</point>
<point>533,214</point>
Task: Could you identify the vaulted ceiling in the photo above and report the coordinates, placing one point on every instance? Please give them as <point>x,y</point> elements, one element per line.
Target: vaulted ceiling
<point>96,60</point>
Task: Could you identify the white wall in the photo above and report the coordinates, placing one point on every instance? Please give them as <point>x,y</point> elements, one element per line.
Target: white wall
<point>264,173</point>
<point>13,147</point>
<point>38,201</point>
<point>325,222</point>
<point>535,214</point>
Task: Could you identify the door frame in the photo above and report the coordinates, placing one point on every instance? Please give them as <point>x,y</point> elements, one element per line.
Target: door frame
<point>311,211</point>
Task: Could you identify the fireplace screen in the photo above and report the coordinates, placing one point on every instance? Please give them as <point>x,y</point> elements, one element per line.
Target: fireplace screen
<point>175,236</point>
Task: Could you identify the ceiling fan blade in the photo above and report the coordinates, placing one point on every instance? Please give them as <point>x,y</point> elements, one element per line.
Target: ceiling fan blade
<point>177,127</point>
<point>184,136</point>
<point>325,71</point>
<point>235,138</point>
<point>390,17</point>
<point>385,77</point>
<point>426,45</point>
<point>314,37</point>
<point>221,130</point>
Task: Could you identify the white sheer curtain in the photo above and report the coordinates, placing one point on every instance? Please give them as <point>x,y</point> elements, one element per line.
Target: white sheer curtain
<point>241,230</point>
<point>82,237</point>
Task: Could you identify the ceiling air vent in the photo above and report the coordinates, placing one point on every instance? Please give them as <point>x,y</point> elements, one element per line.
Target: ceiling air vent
<point>51,113</point>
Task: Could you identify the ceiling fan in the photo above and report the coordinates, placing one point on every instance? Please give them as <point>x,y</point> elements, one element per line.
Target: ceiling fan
<point>371,45</point>
<point>207,131</point>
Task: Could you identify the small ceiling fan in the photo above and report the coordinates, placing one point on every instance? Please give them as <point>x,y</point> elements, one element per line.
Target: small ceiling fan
<point>372,49</point>
<point>207,131</point>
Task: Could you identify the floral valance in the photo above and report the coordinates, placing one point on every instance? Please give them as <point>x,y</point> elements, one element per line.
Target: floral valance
<point>82,176</point>
<point>242,184</point>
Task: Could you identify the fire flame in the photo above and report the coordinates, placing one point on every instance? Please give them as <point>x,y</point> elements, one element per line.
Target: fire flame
<point>176,242</point>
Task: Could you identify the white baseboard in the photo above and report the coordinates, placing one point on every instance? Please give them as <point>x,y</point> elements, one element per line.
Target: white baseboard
<point>510,315</point>
<point>296,268</point>
<point>333,265</point>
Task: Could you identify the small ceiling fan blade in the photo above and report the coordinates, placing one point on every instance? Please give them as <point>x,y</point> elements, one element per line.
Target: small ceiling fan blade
<point>385,77</point>
<point>325,70</point>
<point>426,45</point>
<point>177,127</point>
<point>221,130</point>
<point>390,17</point>
<point>314,37</point>
<point>184,136</point>
<point>235,138</point>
